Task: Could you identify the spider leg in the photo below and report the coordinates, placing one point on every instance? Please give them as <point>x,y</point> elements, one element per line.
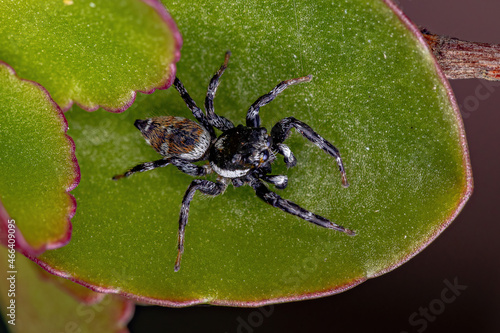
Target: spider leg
<point>205,187</point>
<point>280,181</point>
<point>281,130</point>
<point>284,150</point>
<point>183,165</point>
<point>144,167</point>
<point>215,120</point>
<point>238,182</point>
<point>289,207</point>
<point>197,113</point>
<point>253,118</point>
<point>190,168</point>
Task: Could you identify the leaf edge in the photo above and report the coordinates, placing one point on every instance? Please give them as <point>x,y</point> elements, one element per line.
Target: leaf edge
<point>21,244</point>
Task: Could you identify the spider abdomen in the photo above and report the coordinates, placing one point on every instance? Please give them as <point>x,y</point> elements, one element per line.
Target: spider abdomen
<point>175,137</point>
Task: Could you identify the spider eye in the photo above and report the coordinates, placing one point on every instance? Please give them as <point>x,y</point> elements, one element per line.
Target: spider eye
<point>265,155</point>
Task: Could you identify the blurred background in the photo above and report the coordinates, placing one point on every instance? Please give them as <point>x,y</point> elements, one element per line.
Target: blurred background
<point>416,297</point>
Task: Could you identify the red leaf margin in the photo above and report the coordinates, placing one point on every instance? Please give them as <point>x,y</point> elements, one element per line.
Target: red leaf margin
<point>21,244</point>
<point>467,192</point>
<point>168,80</point>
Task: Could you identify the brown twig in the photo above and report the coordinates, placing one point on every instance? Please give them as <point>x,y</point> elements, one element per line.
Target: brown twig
<point>461,59</point>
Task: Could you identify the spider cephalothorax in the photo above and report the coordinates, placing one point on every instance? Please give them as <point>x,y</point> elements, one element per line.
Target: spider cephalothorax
<point>240,155</point>
<point>240,150</point>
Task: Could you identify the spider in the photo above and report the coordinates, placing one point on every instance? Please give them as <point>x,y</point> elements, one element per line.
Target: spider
<point>240,155</point>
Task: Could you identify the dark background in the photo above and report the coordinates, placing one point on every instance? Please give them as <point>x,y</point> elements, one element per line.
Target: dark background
<point>466,253</point>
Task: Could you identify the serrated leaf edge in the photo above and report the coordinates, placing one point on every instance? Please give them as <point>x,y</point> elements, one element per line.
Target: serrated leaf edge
<point>166,83</point>
<point>21,244</point>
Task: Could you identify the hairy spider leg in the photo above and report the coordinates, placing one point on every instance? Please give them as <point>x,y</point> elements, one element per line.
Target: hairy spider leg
<point>290,207</point>
<point>280,181</point>
<point>144,167</point>
<point>204,186</point>
<point>284,150</point>
<point>190,168</point>
<point>191,104</point>
<point>215,120</point>
<point>183,165</point>
<point>281,130</point>
<point>253,118</point>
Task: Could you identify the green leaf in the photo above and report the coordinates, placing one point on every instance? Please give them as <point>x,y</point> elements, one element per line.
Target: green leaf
<point>37,166</point>
<point>40,305</point>
<point>95,53</point>
<point>80,293</point>
<point>376,94</point>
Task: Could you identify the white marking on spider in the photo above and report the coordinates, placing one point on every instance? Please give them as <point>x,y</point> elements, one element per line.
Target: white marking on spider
<point>228,173</point>
<point>145,130</point>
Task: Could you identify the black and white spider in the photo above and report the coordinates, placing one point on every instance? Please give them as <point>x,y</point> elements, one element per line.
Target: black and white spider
<point>240,155</point>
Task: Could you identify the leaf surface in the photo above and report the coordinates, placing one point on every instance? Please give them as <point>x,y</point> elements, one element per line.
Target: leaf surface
<point>40,305</point>
<point>37,167</point>
<point>376,94</point>
<point>95,53</point>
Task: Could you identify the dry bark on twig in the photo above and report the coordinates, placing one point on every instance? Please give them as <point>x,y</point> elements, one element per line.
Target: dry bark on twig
<point>461,59</point>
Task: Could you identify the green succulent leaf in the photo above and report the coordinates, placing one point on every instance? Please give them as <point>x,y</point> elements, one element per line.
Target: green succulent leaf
<point>40,305</point>
<point>95,52</point>
<point>376,94</point>
<point>37,167</point>
<point>79,292</point>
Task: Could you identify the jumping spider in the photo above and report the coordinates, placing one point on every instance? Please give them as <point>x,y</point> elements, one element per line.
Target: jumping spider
<point>240,155</point>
